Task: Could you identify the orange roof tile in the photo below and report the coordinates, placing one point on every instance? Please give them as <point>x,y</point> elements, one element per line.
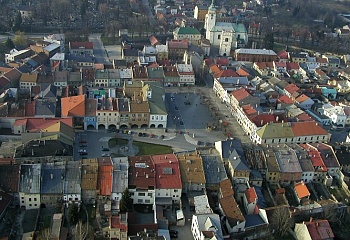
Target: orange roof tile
<point>242,73</point>
<point>291,88</point>
<point>307,129</point>
<point>301,190</point>
<point>215,70</point>
<point>250,194</point>
<point>105,176</point>
<point>285,99</point>
<point>240,94</point>
<point>73,106</point>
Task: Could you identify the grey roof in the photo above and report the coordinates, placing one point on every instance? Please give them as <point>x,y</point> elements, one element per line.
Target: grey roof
<point>45,107</point>
<point>206,222</point>
<point>228,146</point>
<point>303,157</point>
<point>120,174</point>
<point>131,52</point>
<point>72,178</point>
<point>30,178</point>
<point>234,80</point>
<point>238,163</point>
<point>214,169</point>
<point>123,104</point>
<point>79,58</point>
<point>287,159</point>
<point>51,47</point>
<point>156,102</point>
<point>45,148</point>
<point>52,176</point>
<point>49,92</point>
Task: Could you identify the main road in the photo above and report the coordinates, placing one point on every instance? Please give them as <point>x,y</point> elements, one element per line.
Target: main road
<point>99,50</point>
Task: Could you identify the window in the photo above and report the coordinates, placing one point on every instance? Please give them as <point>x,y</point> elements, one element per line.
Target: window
<point>219,36</point>
<point>147,201</point>
<point>141,194</point>
<point>30,199</point>
<point>139,200</point>
<point>226,39</point>
<point>35,199</point>
<point>149,194</point>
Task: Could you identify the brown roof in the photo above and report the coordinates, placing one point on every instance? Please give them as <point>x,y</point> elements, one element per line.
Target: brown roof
<point>13,74</point>
<point>141,172</point>
<point>9,178</point>
<point>226,188</point>
<point>89,174</point>
<point>139,72</point>
<point>177,44</point>
<point>301,190</point>
<point>86,45</point>
<point>139,107</point>
<point>191,166</point>
<point>171,71</point>
<point>231,210</point>
<point>29,77</point>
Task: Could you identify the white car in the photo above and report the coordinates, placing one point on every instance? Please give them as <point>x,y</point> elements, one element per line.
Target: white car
<point>82,150</point>
<point>106,155</point>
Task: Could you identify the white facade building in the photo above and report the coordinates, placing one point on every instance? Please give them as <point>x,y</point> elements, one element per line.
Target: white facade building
<point>186,73</point>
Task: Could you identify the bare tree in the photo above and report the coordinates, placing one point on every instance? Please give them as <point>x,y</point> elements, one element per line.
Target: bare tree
<point>281,221</point>
<point>80,230</point>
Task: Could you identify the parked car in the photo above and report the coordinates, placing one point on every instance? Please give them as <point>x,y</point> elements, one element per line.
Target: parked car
<point>176,108</point>
<point>187,102</point>
<point>140,134</point>
<point>83,141</point>
<point>172,235</point>
<point>161,136</point>
<point>83,145</point>
<point>105,149</point>
<point>152,135</point>
<point>144,134</point>
<point>82,150</point>
<point>83,153</point>
<point>173,232</point>
<point>181,123</point>
<point>106,155</point>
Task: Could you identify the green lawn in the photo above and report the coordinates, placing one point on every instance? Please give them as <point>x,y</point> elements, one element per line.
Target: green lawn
<point>117,141</point>
<point>151,149</point>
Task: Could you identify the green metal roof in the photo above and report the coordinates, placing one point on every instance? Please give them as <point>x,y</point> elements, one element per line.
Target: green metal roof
<point>275,130</point>
<point>187,30</point>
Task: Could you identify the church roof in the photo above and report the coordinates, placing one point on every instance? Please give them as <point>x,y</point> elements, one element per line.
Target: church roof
<point>187,30</point>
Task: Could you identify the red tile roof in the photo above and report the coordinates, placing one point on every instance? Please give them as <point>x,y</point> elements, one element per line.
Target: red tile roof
<point>208,62</point>
<point>261,119</point>
<point>291,88</point>
<point>86,45</point>
<point>319,229</point>
<point>301,190</point>
<point>281,64</point>
<point>227,73</point>
<point>292,66</point>
<point>105,176</point>
<point>283,54</point>
<point>250,111</point>
<point>141,172</point>
<point>307,129</point>
<point>240,94</point>
<point>35,124</point>
<point>304,117</point>
<point>153,40</point>
<point>222,61</point>
<point>285,99</point>
<point>215,70</point>
<point>315,157</point>
<point>30,109</point>
<point>250,194</point>
<point>115,222</point>
<point>168,174</point>
<point>73,106</point>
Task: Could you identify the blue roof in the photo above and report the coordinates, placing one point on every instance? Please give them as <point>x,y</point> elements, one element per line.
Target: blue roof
<point>261,200</point>
<point>253,220</point>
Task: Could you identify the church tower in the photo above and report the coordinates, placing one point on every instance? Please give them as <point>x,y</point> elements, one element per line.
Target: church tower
<point>210,19</point>
<point>226,43</point>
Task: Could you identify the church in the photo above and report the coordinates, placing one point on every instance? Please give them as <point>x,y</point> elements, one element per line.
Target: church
<point>224,35</point>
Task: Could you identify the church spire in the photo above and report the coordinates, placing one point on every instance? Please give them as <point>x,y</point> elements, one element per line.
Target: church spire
<point>212,6</point>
